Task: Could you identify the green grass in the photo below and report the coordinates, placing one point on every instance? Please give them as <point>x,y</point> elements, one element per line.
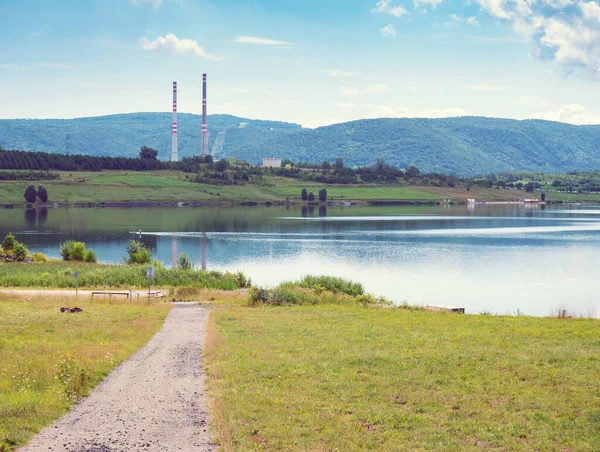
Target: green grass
<point>171,186</point>
<point>49,359</point>
<point>348,378</point>
<point>59,275</point>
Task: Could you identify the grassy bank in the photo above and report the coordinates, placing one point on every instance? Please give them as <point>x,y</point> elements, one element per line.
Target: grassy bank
<point>59,275</point>
<point>172,186</point>
<point>349,378</point>
<point>48,359</point>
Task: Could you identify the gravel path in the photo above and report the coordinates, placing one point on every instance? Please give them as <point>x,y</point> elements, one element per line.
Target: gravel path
<point>154,401</point>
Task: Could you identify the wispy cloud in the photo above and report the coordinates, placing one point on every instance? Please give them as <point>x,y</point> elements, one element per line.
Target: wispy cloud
<point>261,41</point>
<point>386,7</point>
<point>456,20</point>
<point>9,66</point>
<point>432,3</point>
<point>388,31</point>
<point>172,43</point>
<point>571,113</point>
<point>154,3</point>
<point>486,87</point>
<point>338,73</point>
<point>350,91</point>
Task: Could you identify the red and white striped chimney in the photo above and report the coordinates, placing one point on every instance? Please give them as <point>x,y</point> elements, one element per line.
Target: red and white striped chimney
<point>204,125</point>
<point>174,150</point>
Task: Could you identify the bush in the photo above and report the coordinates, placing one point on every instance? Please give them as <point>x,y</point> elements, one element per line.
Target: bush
<point>65,249</point>
<point>332,284</point>
<point>9,242</point>
<point>30,194</point>
<point>77,252</point>
<point>42,193</point>
<point>138,253</point>
<point>39,257</point>
<point>90,256</point>
<point>20,251</point>
<point>184,262</point>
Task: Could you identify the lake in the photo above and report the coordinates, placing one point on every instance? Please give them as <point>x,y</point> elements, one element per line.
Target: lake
<point>505,259</point>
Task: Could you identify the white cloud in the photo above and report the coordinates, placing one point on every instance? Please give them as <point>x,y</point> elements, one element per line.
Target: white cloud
<point>261,41</point>
<point>432,3</point>
<point>565,31</point>
<point>174,44</point>
<point>385,111</point>
<point>386,7</point>
<point>572,113</point>
<point>154,3</point>
<point>456,20</point>
<point>388,31</point>
<point>486,87</point>
<point>350,91</point>
<point>338,73</point>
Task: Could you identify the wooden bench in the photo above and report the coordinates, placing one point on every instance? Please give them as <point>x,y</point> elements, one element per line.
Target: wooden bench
<point>438,307</point>
<point>110,294</point>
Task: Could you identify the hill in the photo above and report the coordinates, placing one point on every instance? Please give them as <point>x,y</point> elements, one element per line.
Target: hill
<point>465,146</point>
<point>122,135</point>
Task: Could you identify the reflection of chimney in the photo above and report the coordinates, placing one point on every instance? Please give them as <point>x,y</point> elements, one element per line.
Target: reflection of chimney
<point>174,251</point>
<point>204,125</point>
<point>204,243</point>
<point>174,150</point>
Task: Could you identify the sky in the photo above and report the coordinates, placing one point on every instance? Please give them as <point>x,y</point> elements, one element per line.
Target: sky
<point>311,62</point>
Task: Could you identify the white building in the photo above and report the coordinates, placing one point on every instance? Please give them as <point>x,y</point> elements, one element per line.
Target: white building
<point>272,163</point>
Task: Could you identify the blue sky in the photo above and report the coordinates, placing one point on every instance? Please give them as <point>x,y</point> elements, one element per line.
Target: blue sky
<point>310,62</point>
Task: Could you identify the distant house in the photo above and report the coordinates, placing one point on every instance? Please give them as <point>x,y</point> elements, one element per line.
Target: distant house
<point>272,163</point>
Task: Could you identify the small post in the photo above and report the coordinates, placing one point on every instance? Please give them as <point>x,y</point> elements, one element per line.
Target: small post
<point>149,275</point>
<point>76,276</point>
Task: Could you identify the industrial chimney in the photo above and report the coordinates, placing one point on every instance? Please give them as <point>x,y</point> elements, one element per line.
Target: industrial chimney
<point>174,151</point>
<point>204,126</point>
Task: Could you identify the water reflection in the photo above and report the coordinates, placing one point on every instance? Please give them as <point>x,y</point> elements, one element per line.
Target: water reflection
<point>30,218</point>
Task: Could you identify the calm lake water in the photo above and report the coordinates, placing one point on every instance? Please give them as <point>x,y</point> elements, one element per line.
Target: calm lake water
<point>499,259</point>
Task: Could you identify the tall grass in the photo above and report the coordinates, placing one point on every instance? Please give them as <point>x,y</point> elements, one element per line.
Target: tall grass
<point>59,275</point>
<point>331,284</point>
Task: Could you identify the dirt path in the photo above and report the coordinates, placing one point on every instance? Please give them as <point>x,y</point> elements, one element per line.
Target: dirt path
<point>154,401</point>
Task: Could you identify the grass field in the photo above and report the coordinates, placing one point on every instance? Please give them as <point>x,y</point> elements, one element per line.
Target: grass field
<point>344,378</point>
<point>48,359</point>
<point>57,274</point>
<point>496,194</point>
<point>171,186</point>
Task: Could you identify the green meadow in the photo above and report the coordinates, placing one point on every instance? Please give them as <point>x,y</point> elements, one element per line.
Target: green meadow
<point>349,378</point>
<point>49,359</point>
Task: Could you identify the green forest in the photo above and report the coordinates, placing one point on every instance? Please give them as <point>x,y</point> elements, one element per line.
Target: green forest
<point>464,146</point>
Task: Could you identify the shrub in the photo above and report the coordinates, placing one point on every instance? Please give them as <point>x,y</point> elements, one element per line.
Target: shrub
<point>332,284</point>
<point>311,197</point>
<point>242,280</point>
<point>30,194</point>
<point>77,252</point>
<point>9,242</point>
<point>184,262</point>
<point>65,249</point>
<point>20,251</point>
<point>42,193</point>
<point>138,253</point>
<point>39,257</point>
<point>259,296</point>
<point>90,256</point>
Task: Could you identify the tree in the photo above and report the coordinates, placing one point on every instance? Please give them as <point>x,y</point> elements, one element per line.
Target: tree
<point>543,196</point>
<point>412,171</point>
<point>304,194</point>
<point>9,242</point>
<point>326,165</point>
<point>222,165</point>
<point>285,162</point>
<point>311,197</point>
<point>148,153</point>
<point>323,195</point>
<point>42,193</point>
<point>30,193</point>
<point>529,187</point>
<point>138,253</point>
<point>339,164</point>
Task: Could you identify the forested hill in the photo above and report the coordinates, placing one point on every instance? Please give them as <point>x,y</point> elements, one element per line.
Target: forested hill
<point>465,146</point>
<point>123,135</point>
